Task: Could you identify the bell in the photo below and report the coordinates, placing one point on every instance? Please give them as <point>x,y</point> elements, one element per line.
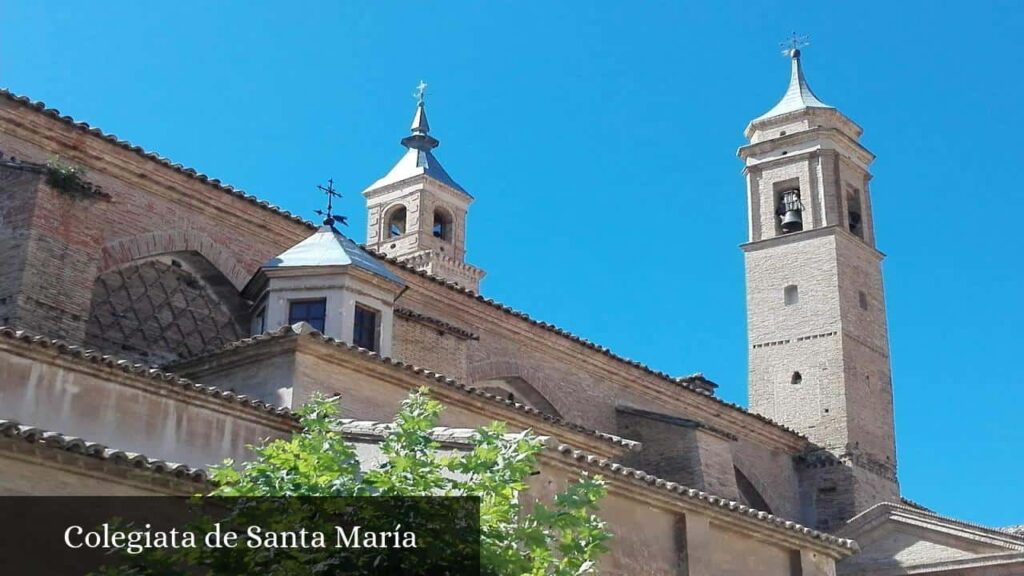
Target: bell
<point>792,221</point>
<point>791,210</point>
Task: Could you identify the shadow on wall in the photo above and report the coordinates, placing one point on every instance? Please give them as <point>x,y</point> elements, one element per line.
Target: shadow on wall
<point>164,308</point>
<point>516,389</point>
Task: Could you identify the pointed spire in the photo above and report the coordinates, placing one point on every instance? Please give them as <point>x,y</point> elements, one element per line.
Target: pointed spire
<point>418,159</point>
<point>420,138</point>
<point>799,95</point>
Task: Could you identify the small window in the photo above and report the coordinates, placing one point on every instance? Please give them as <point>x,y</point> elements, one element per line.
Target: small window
<point>365,329</point>
<point>863,299</point>
<point>791,295</point>
<point>259,322</point>
<point>442,225</point>
<point>796,378</point>
<point>313,312</point>
<point>396,222</point>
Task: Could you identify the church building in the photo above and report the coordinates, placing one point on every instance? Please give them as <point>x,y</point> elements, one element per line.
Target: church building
<point>157,320</point>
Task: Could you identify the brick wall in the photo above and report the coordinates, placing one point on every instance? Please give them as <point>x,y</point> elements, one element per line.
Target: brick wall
<point>149,210</point>
<point>430,347</point>
<point>681,451</point>
<point>17,200</point>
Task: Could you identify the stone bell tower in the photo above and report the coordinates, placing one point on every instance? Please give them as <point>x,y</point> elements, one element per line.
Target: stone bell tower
<point>818,343</point>
<point>417,212</point>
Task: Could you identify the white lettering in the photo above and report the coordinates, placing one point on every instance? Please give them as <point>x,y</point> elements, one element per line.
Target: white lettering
<point>357,538</point>
<point>67,536</point>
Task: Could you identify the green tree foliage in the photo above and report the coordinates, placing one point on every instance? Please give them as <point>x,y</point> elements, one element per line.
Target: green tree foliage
<point>519,537</point>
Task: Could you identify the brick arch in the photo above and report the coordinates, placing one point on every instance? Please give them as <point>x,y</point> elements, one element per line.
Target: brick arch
<point>520,379</point>
<point>164,308</point>
<point>754,483</point>
<point>123,251</point>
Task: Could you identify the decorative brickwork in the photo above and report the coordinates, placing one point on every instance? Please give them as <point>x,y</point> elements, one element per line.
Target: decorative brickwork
<point>159,310</point>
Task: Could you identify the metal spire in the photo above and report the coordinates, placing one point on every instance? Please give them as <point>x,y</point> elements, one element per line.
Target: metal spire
<point>329,217</point>
<point>798,95</point>
<point>420,138</point>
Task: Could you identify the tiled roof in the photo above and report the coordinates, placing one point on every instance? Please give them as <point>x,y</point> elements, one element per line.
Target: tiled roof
<point>179,168</point>
<point>154,374</point>
<point>695,383</point>
<point>641,477</point>
<point>609,468</point>
<point>690,382</point>
<point>912,504</point>
<point>303,329</point>
<point>1017,530</point>
<point>926,513</point>
<point>58,441</point>
<point>439,324</point>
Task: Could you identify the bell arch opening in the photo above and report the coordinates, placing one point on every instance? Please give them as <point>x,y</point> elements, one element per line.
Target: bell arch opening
<point>395,223</point>
<point>442,227</point>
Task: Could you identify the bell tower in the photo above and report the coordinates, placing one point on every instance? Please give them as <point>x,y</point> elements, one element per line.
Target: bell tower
<point>816,322</point>
<point>417,212</point>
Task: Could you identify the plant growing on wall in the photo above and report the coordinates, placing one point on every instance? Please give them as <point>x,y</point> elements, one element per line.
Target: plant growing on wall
<point>68,178</point>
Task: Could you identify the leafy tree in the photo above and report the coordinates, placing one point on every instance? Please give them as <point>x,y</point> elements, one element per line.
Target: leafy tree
<point>563,538</point>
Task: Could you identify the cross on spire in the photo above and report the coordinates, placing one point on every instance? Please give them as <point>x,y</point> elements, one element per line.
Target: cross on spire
<point>329,217</point>
<point>792,45</point>
<point>421,92</point>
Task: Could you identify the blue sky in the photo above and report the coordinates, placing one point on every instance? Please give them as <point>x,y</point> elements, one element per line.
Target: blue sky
<point>599,140</point>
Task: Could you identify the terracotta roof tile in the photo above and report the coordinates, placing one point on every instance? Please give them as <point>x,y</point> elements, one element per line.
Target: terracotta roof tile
<point>177,167</point>
<point>303,329</point>
<point>439,324</point>
<point>58,441</point>
<point>466,436</point>
<point>689,383</point>
<point>639,476</point>
<point>696,383</point>
<point>154,374</point>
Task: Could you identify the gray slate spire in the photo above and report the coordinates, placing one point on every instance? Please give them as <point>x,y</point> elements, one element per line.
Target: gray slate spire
<point>419,159</point>
<point>420,139</point>
<point>798,96</point>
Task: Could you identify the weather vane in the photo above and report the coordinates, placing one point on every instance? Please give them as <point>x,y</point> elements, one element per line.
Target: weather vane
<point>794,43</point>
<point>329,217</point>
<point>421,92</point>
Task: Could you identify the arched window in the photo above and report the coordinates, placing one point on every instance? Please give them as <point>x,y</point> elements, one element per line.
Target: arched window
<point>396,222</point>
<point>442,225</point>
<point>791,295</point>
<point>797,378</point>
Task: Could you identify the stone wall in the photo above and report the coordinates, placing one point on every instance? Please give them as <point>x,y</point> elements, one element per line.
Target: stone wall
<point>137,414</point>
